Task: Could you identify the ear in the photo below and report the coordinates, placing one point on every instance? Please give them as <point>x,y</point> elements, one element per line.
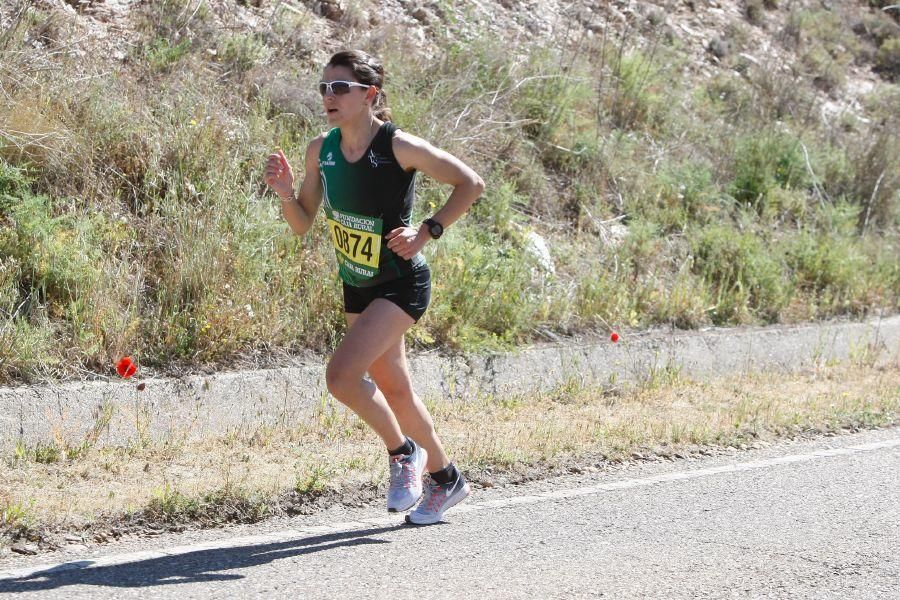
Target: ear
<point>372,94</point>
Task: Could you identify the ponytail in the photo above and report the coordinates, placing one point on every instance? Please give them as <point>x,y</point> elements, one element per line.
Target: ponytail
<point>380,106</point>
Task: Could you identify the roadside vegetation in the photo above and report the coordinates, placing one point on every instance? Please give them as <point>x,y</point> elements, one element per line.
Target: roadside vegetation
<point>72,489</point>
<point>133,219</point>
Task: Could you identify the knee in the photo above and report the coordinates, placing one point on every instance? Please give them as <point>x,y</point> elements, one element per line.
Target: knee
<point>338,379</point>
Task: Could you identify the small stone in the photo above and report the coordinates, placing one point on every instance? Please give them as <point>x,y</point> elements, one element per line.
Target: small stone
<point>421,14</point>
<point>656,17</point>
<point>331,10</point>
<point>719,47</point>
<point>26,549</point>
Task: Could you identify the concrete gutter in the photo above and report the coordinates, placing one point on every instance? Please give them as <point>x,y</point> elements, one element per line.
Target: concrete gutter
<point>194,407</point>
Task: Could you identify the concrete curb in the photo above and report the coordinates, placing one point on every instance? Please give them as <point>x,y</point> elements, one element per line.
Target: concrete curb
<point>241,402</point>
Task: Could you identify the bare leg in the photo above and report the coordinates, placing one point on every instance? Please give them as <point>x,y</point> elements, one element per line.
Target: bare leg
<point>372,333</point>
<point>391,373</point>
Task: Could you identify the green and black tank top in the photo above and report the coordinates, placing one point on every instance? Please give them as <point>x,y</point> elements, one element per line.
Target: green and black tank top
<point>363,201</point>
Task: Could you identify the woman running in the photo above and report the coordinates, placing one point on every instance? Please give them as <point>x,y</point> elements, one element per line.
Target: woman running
<point>364,169</point>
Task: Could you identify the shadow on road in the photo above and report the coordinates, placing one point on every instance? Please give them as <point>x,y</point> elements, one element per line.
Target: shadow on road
<point>199,566</point>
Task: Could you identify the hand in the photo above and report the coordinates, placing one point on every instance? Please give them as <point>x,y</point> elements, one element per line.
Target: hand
<point>406,242</point>
<point>279,175</point>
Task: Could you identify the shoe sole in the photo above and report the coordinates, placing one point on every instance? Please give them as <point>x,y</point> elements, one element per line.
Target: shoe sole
<point>416,499</point>
<point>450,504</point>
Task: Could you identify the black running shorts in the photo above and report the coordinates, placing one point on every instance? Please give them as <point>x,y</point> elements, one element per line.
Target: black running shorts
<point>411,292</point>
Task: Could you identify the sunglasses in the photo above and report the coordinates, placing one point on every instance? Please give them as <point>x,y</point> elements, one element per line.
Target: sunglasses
<point>339,88</point>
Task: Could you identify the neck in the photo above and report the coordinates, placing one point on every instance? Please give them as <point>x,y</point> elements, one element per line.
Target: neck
<point>357,135</point>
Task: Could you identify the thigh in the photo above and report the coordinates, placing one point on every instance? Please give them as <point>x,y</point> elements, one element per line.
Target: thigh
<point>370,334</point>
<point>390,371</point>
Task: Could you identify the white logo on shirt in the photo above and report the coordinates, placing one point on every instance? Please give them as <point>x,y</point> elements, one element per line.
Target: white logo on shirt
<point>328,162</point>
<point>377,159</point>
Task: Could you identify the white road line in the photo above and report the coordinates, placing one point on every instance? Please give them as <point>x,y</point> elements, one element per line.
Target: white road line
<point>349,526</point>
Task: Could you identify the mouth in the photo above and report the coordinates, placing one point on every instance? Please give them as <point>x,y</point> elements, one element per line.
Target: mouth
<point>331,111</point>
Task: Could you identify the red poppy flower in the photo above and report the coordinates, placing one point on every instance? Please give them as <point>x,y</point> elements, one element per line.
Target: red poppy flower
<point>126,367</point>
<point>614,337</point>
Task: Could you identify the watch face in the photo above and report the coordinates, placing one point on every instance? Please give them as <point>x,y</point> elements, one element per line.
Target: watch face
<point>434,228</point>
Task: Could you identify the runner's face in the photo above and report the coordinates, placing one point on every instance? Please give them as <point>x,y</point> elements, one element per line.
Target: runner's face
<point>343,108</point>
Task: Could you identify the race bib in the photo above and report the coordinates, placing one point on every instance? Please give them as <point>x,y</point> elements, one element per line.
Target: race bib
<point>357,240</point>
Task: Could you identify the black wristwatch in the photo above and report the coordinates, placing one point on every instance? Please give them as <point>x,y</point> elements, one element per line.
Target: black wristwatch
<point>434,228</point>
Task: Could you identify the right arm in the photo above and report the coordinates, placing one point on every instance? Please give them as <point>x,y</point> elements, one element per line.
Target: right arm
<point>300,210</point>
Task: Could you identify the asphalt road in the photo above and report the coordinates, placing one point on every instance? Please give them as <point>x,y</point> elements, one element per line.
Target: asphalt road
<point>816,519</point>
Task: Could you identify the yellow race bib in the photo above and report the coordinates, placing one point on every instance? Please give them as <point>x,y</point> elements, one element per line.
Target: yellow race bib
<point>357,241</point>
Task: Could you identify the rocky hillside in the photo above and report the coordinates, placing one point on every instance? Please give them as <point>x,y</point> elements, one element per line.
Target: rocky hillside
<point>684,163</point>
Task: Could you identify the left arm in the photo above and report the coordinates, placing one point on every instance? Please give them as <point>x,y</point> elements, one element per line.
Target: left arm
<point>415,153</point>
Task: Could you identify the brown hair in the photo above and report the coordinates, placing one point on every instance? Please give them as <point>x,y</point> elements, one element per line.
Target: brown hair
<point>368,70</point>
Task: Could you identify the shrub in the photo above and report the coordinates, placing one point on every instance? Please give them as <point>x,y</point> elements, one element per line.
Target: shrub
<point>686,194</point>
<point>826,44</point>
<point>831,267</point>
<point>634,99</point>
<point>744,279</point>
<point>239,53</point>
<point>483,291</point>
<point>161,54</point>
<point>754,9</point>
<point>887,61</point>
<point>763,161</point>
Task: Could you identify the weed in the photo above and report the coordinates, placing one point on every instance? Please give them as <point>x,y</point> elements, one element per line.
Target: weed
<point>170,504</point>
<point>659,376</point>
<point>312,482</point>
<point>15,517</point>
<point>863,353</point>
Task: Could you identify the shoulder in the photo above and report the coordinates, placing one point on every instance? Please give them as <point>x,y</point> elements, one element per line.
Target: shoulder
<point>411,150</point>
<point>404,141</point>
<point>316,144</point>
<point>317,141</point>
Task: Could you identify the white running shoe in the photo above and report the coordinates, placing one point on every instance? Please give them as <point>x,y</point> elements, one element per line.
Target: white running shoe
<point>406,479</point>
<point>437,499</point>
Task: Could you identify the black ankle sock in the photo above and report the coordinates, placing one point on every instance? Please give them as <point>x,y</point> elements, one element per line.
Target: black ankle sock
<point>406,448</point>
<point>445,475</point>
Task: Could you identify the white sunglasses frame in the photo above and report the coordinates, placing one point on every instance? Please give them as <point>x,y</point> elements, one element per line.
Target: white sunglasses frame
<point>330,90</point>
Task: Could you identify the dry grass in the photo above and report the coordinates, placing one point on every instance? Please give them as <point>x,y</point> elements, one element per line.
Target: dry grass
<point>491,438</point>
<point>133,219</point>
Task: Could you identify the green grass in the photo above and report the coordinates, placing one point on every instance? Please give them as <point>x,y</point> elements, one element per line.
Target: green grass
<point>133,219</point>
